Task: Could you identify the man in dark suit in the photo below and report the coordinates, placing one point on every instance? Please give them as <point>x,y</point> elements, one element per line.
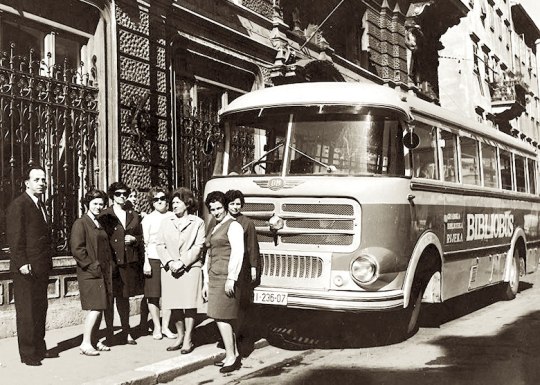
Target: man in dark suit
<point>31,251</point>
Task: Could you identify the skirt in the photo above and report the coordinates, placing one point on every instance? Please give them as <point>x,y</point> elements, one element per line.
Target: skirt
<point>152,284</point>
<point>220,306</point>
<point>181,291</point>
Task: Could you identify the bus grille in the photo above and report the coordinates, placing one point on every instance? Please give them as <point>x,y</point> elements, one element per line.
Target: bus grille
<point>309,224</point>
<point>309,239</point>
<point>317,224</point>
<point>291,266</point>
<point>318,239</point>
<point>254,206</point>
<point>335,209</point>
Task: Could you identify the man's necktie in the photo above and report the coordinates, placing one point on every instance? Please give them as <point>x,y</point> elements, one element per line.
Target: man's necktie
<point>43,210</point>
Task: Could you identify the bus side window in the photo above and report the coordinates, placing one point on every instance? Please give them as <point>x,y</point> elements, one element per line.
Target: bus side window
<point>531,168</point>
<point>506,169</point>
<point>470,170</point>
<point>425,155</point>
<point>489,166</point>
<point>520,173</point>
<point>449,156</point>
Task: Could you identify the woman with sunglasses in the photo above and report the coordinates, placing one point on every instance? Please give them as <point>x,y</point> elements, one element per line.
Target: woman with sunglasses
<point>180,250</point>
<point>151,223</point>
<point>126,239</point>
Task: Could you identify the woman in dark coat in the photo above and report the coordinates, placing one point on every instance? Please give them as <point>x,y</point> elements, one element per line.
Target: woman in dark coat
<point>91,249</point>
<point>126,238</point>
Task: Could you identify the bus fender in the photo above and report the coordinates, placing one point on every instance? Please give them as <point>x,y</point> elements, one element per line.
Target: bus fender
<point>427,239</point>
<point>519,233</point>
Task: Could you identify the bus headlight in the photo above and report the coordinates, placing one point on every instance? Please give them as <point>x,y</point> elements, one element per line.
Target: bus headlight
<point>364,269</point>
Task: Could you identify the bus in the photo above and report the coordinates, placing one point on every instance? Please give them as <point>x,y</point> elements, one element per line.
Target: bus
<point>368,199</point>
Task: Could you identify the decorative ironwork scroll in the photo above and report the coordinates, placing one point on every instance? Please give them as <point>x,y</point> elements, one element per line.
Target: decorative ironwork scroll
<point>198,132</point>
<point>201,138</point>
<point>48,117</point>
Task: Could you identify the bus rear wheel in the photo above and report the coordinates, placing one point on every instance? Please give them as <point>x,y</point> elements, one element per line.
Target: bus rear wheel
<point>511,287</point>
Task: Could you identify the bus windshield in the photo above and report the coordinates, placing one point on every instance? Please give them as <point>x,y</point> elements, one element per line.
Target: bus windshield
<point>315,141</point>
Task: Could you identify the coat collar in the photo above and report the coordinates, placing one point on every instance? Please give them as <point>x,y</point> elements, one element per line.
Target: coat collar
<point>109,211</point>
<point>129,217</point>
<point>182,223</point>
<point>90,221</point>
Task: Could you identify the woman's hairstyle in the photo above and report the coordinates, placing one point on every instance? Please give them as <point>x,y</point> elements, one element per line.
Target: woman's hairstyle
<point>216,196</point>
<point>118,186</point>
<point>231,195</point>
<point>94,194</point>
<point>155,191</point>
<point>186,196</point>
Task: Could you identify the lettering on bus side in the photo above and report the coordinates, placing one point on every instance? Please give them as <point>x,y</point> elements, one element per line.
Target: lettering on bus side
<point>453,227</point>
<point>489,226</point>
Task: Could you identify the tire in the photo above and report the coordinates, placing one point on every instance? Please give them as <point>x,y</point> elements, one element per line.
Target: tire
<point>412,311</point>
<point>510,288</point>
<point>405,324</point>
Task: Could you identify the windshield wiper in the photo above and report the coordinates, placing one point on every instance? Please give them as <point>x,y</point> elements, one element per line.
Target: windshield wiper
<point>254,162</point>
<point>330,168</point>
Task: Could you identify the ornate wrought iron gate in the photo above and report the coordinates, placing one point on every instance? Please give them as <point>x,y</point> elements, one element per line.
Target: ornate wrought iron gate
<point>48,116</point>
<point>201,138</point>
<point>197,133</point>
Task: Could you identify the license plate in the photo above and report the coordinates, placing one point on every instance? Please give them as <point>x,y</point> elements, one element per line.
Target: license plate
<point>270,298</point>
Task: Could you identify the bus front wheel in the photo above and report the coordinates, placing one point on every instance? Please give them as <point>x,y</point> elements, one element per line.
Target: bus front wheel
<point>405,324</point>
<point>411,313</point>
<point>511,287</point>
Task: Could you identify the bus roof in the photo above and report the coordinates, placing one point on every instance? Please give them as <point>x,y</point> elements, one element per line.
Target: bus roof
<point>309,94</point>
<point>365,94</point>
<point>451,119</point>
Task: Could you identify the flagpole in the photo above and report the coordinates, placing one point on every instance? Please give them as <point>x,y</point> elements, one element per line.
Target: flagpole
<point>320,25</point>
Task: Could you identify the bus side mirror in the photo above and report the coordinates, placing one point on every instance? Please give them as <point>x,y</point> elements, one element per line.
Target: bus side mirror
<point>411,140</point>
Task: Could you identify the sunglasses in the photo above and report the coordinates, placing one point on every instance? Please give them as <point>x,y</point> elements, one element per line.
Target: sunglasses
<point>157,199</point>
<point>121,193</point>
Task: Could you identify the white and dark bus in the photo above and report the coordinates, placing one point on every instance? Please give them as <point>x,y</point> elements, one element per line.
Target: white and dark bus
<point>366,199</point>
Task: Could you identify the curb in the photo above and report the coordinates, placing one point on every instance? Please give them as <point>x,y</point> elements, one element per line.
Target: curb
<point>167,370</point>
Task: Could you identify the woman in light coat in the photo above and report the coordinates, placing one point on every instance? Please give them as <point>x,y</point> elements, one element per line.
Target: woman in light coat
<point>180,250</point>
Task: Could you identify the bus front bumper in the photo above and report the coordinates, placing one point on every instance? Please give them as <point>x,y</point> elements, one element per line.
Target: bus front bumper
<point>329,300</point>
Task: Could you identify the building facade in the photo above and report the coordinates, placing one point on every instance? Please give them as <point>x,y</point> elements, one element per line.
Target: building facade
<point>106,90</point>
<point>488,68</point>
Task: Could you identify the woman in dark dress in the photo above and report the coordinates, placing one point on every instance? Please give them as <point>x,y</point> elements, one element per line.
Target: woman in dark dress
<point>249,273</point>
<point>91,249</point>
<point>225,242</point>
<point>126,238</point>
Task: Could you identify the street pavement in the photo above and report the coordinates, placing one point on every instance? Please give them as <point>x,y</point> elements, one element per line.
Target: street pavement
<point>148,362</point>
<point>474,330</point>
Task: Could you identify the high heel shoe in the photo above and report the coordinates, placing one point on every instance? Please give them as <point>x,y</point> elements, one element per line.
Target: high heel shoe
<point>188,350</point>
<point>234,366</point>
<point>89,352</point>
<point>167,333</point>
<point>130,340</point>
<point>102,347</point>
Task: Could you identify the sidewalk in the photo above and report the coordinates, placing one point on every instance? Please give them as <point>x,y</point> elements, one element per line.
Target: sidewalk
<point>148,362</point>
